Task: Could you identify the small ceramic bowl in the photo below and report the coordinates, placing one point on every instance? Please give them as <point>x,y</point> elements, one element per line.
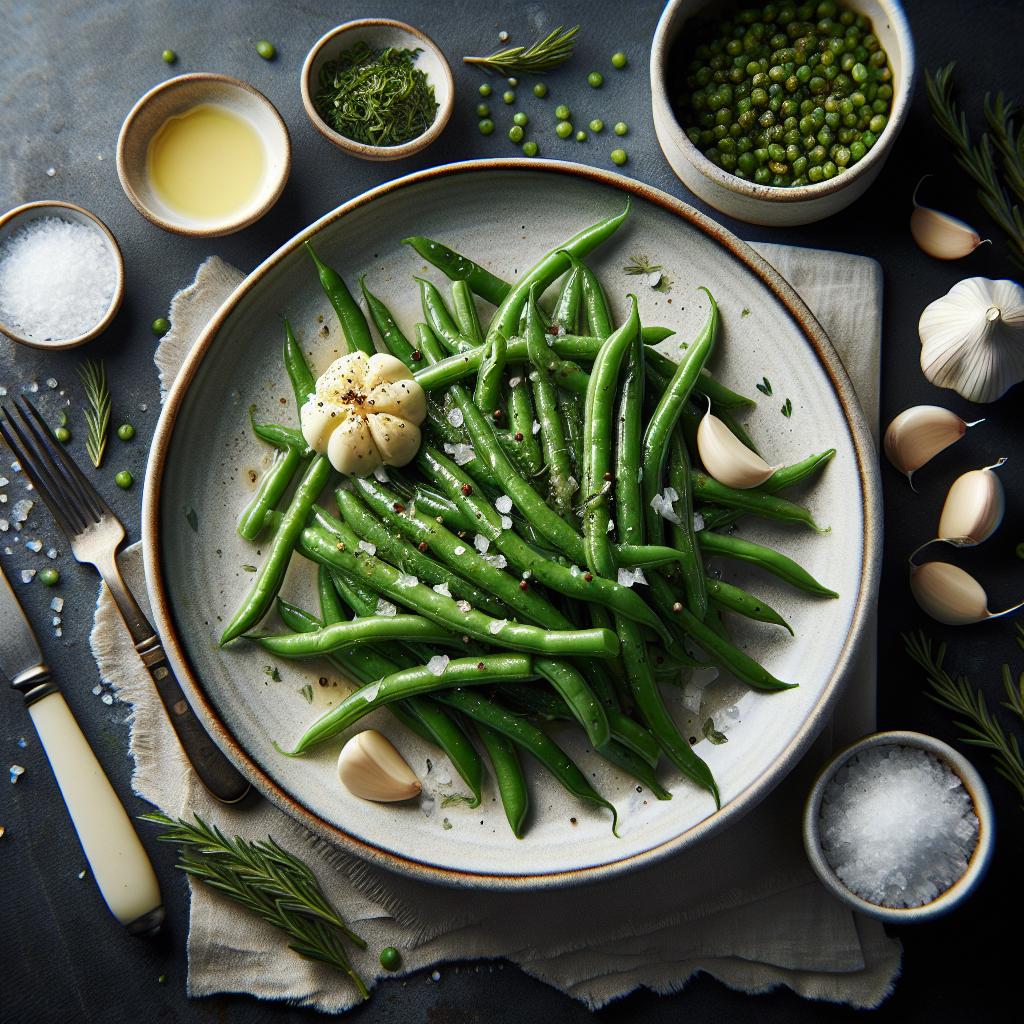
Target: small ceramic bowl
<point>378,33</point>
<point>175,97</point>
<point>21,216</point>
<point>980,858</point>
<point>764,204</point>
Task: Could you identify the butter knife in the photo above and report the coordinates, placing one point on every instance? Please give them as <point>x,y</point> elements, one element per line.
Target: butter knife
<point>116,857</point>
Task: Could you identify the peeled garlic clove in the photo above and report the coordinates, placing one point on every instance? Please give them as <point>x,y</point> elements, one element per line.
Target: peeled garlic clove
<point>726,458</point>
<point>951,596</point>
<point>974,507</point>
<point>918,434</point>
<point>941,235</point>
<point>371,768</point>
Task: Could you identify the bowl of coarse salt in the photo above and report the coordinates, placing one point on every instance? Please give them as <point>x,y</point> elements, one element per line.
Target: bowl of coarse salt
<point>61,275</point>
<point>899,826</point>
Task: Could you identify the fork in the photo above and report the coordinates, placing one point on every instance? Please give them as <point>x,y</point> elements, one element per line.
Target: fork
<point>95,535</point>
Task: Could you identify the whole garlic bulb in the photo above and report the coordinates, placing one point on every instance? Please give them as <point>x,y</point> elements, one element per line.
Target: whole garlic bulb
<point>366,411</point>
<point>972,339</point>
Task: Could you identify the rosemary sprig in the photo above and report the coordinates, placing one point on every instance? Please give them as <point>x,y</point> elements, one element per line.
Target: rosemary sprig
<point>639,263</point>
<point>976,160</point>
<point>1000,113</point>
<point>271,883</point>
<point>97,416</point>
<point>980,728</point>
<point>537,59</point>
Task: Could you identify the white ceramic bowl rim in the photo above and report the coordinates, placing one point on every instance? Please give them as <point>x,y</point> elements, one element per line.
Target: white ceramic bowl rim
<point>902,94</point>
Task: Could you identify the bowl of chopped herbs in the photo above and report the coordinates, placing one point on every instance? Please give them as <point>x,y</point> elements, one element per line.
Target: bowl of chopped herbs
<point>377,88</point>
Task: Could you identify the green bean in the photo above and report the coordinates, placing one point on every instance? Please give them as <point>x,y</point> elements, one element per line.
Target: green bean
<point>466,316</point>
<point>759,502</point>
<point>440,320</point>
<point>487,393</point>
<point>444,610</point>
<point>707,384</point>
<point>429,347</point>
<point>303,383</point>
<point>460,268</point>
<point>271,574</point>
<point>765,558</point>
<point>390,333</point>
<point>508,774</point>
<point>331,608</point>
<point>683,535</point>
<point>667,412</point>
<point>521,419</point>
<point>412,682</point>
<point>275,482</point>
<point>566,314</point>
<point>276,434</point>
<point>737,428</point>
<point>360,599</point>
<point>441,508</point>
<point>570,408</point>
<point>570,685</point>
<point>632,764</point>
<point>732,598</point>
<point>372,629</point>
<point>449,735</point>
<point>545,398</point>
<point>353,323</point>
<point>599,317</point>
<point>530,738</point>
<point>629,518</point>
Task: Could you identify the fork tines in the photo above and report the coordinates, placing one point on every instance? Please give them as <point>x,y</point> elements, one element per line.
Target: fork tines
<point>69,496</point>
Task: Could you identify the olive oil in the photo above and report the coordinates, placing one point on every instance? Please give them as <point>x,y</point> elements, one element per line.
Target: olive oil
<point>206,163</point>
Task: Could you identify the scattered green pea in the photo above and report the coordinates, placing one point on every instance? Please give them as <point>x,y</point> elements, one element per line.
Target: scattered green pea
<point>482,110</point>
<point>485,89</point>
<point>62,434</point>
<point>126,431</point>
<point>169,56</point>
<point>597,125</point>
<point>520,119</point>
<point>124,479</point>
<point>49,577</point>
<point>513,82</point>
<point>621,128</point>
<point>486,126</point>
<point>595,79</point>
<point>530,148</point>
<point>515,133</point>
<point>266,49</point>
<point>563,129</point>
<point>540,90</point>
<point>619,156</point>
<point>562,112</point>
<point>619,60</point>
<point>160,326</point>
<point>390,958</point>
<point>581,136</point>
<point>508,96</point>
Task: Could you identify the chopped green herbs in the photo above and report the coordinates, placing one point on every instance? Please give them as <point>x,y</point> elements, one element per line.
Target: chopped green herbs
<point>445,824</point>
<point>307,693</point>
<point>711,734</point>
<point>376,97</point>
<point>454,799</point>
<point>787,408</point>
<point>639,263</point>
<point>765,387</point>
<point>537,59</point>
<point>249,568</point>
<point>745,312</point>
<point>193,519</point>
<point>272,672</point>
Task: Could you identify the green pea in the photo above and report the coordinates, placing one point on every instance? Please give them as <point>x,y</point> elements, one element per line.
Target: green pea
<point>49,577</point>
<point>485,89</point>
<point>621,128</point>
<point>390,958</point>
<point>581,136</point>
<point>169,56</point>
<point>124,479</point>
<point>508,96</point>
<point>160,326</point>
<point>62,434</point>
<point>266,49</point>
<point>529,148</point>
<point>513,82</point>
<point>482,110</point>
<point>877,123</point>
<point>595,79</point>
<point>619,156</point>
<point>126,432</point>
<point>619,60</point>
<point>563,129</point>
<point>520,119</point>
<point>486,126</point>
<point>515,133</point>
<point>540,90</point>
<point>597,125</point>
<point>562,112</point>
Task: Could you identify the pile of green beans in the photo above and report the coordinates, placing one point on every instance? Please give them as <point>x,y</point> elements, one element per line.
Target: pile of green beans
<point>522,569</point>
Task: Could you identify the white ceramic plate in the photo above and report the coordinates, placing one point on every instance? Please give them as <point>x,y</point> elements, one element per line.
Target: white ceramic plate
<point>506,214</point>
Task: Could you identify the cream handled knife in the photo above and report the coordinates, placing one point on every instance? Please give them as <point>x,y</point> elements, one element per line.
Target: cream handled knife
<point>118,861</point>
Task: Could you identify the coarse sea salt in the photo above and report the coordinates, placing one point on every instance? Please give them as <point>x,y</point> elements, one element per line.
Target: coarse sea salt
<point>897,826</point>
<point>57,279</point>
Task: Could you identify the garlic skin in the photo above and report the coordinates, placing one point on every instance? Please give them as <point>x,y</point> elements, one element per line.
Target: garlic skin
<point>974,507</point>
<point>951,596</point>
<point>369,767</point>
<point>919,433</point>
<point>941,235</point>
<point>366,412</point>
<point>728,459</point>
<point>972,339</point>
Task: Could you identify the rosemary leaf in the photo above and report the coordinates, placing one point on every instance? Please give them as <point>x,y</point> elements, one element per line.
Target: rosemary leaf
<point>270,882</point>
<point>640,264</point>
<point>97,415</point>
<point>537,59</point>
<point>1000,113</point>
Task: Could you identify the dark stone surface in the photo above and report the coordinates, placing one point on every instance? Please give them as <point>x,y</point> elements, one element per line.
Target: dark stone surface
<point>69,72</point>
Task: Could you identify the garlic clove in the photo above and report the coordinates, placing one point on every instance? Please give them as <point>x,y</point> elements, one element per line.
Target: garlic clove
<point>918,434</point>
<point>726,458</point>
<point>350,448</point>
<point>319,419</point>
<point>383,367</point>
<point>369,767</point>
<point>404,398</point>
<point>951,596</point>
<point>396,439</point>
<point>344,376</point>
<point>972,338</point>
<point>941,235</point>
<point>974,507</point>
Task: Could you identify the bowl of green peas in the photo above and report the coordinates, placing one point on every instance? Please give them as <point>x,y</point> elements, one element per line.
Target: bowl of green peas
<point>780,113</point>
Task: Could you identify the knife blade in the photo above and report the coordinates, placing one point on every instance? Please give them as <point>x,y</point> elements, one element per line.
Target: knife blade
<point>117,859</point>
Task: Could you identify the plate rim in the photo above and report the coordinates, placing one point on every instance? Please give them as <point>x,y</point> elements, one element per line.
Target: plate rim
<point>409,866</point>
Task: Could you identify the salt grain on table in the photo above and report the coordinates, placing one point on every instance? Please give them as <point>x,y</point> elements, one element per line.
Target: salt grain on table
<point>897,826</point>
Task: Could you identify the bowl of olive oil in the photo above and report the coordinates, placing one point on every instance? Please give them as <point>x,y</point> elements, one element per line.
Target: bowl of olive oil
<point>203,155</point>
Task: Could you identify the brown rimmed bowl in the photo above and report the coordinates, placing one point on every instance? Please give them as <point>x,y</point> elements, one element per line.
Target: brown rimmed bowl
<point>22,215</point>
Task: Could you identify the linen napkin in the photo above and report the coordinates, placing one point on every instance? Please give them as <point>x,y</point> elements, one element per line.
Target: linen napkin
<point>742,906</point>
